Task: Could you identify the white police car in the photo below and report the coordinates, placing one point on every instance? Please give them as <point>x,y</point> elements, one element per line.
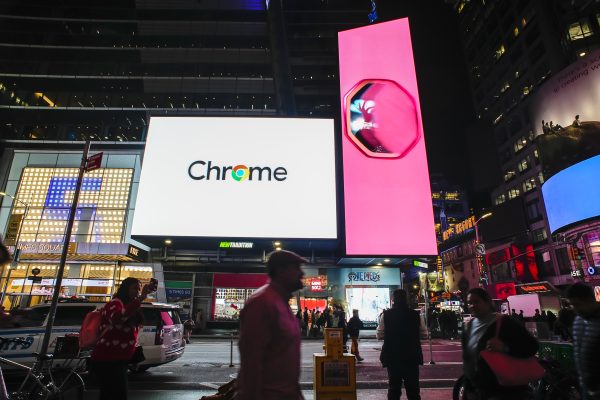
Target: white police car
<point>161,336</point>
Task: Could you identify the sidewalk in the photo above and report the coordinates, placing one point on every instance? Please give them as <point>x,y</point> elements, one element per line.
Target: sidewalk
<point>370,394</point>
<point>226,334</point>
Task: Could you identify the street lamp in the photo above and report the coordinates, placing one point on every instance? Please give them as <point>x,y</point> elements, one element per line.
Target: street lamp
<point>17,251</point>
<point>484,216</point>
<point>483,271</point>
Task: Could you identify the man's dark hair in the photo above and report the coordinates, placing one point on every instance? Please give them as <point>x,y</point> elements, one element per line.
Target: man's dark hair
<point>283,258</point>
<point>400,297</point>
<point>580,291</point>
<point>482,294</point>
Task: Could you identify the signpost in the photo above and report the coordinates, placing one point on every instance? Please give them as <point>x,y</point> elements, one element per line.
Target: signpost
<point>65,248</point>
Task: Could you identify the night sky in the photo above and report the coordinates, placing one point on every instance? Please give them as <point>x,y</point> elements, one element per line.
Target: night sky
<point>446,104</point>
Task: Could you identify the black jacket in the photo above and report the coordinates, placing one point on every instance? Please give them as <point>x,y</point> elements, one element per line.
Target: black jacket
<point>586,349</point>
<point>401,343</point>
<point>354,326</point>
<point>519,343</point>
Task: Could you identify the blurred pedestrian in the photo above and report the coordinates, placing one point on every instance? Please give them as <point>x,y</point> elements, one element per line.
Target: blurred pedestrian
<point>269,340</point>
<point>354,326</point>
<point>401,352</point>
<point>188,327</point>
<point>586,339</point>
<point>120,322</point>
<point>306,320</point>
<point>479,334</point>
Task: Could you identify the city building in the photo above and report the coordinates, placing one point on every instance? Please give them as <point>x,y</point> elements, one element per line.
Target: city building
<point>512,49</point>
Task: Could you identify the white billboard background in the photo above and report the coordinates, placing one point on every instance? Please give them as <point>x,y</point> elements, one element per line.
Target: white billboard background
<point>170,203</point>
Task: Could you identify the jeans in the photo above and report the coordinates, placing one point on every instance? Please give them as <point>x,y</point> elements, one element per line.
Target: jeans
<point>112,379</point>
<point>407,374</point>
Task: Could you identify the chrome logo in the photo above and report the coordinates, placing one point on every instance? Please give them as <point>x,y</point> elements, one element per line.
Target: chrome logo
<point>201,170</point>
<point>240,173</point>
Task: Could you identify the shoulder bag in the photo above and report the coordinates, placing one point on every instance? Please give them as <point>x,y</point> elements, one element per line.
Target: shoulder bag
<point>510,370</point>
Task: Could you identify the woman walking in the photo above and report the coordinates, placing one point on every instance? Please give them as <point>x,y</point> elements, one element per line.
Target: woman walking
<point>480,334</point>
<point>121,320</point>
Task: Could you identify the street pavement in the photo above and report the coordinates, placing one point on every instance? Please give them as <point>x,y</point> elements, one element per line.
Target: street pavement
<point>206,365</point>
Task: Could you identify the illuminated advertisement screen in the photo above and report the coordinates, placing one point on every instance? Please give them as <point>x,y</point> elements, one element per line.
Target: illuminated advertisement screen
<point>566,117</point>
<point>572,194</point>
<point>369,301</point>
<point>387,194</point>
<point>238,177</point>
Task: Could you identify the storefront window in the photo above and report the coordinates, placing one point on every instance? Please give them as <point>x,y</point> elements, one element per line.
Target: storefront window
<point>94,282</point>
<point>229,302</point>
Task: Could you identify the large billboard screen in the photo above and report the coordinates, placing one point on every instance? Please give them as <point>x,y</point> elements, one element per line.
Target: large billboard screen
<point>387,195</point>
<point>238,178</point>
<point>572,195</point>
<point>566,117</point>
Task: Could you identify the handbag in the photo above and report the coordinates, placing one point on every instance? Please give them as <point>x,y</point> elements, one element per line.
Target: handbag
<point>510,370</point>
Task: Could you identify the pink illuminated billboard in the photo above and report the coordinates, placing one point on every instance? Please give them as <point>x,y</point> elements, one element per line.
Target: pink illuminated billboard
<point>387,196</point>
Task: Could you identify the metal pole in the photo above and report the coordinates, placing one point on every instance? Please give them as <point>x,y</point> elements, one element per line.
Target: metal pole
<point>431,362</point>
<point>16,253</point>
<point>231,352</point>
<point>63,256</point>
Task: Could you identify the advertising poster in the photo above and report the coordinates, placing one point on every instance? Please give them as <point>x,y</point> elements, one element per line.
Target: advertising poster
<point>566,117</point>
<point>234,177</point>
<point>387,193</point>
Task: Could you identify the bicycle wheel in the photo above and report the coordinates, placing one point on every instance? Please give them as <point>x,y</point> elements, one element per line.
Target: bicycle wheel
<point>458,392</point>
<point>68,385</point>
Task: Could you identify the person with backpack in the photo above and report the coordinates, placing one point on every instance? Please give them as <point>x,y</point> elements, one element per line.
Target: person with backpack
<point>120,321</point>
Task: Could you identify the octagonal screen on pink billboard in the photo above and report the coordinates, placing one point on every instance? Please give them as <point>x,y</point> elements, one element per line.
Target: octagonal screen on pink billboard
<point>387,195</point>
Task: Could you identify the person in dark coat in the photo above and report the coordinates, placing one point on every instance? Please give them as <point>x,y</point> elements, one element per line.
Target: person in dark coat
<point>480,332</point>
<point>354,326</point>
<point>586,339</point>
<point>401,353</point>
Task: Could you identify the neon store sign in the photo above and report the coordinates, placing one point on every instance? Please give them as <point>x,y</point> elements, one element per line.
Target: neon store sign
<point>364,276</point>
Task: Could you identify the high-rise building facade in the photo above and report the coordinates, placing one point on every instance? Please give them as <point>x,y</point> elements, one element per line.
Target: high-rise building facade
<point>512,48</point>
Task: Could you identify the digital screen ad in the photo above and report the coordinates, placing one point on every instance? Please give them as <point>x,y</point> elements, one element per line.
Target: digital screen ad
<point>238,177</point>
<point>566,117</point>
<point>572,194</point>
<point>387,194</point>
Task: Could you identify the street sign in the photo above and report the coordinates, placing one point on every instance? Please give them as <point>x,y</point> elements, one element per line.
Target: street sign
<point>420,264</point>
<point>93,162</point>
<point>480,249</point>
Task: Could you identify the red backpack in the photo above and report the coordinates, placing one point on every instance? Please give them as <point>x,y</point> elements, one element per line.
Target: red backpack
<point>90,334</point>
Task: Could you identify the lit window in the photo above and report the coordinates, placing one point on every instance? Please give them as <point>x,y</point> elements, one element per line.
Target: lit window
<point>505,86</point>
<point>500,199</point>
<point>529,184</point>
<point>509,175</point>
<point>499,52</point>
<point>516,31</point>
<point>520,144</point>
<point>514,192</point>
<point>452,196</point>
<point>523,165</point>
<point>579,30</point>
<point>541,177</point>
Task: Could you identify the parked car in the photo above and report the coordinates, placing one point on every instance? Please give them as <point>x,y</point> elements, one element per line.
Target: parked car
<point>161,337</point>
